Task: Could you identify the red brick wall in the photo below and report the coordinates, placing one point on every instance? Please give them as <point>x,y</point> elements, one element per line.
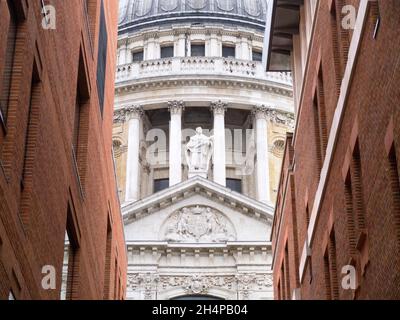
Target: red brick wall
<point>37,240</point>
<point>373,102</point>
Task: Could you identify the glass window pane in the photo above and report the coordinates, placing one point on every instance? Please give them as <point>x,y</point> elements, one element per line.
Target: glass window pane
<point>167,52</point>
<point>161,184</point>
<point>198,50</point>
<point>257,56</point>
<point>234,184</point>
<point>228,52</point>
<point>137,56</point>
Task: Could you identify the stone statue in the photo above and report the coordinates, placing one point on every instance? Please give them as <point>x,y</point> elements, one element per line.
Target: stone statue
<point>198,153</point>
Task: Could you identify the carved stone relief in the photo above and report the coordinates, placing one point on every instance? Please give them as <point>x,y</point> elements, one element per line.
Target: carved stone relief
<point>198,224</point>
<point>242,284</point>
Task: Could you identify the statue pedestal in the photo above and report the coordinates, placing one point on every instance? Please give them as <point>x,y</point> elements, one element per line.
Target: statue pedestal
<point>192,174</point>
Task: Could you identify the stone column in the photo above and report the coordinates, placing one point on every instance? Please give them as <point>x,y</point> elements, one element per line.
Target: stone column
<point>122,55</point>
<point>245,49</point>
<point>175,142</point>
<point>262,167</point>
<point>180,45</point>
<point>133,116</point>
<point>219,172</point>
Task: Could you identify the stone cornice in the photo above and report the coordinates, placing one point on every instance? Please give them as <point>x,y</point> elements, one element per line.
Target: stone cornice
<point>262,246</point>
<point>197,185</point>
<point>176,31</point>
<point>133,86</point>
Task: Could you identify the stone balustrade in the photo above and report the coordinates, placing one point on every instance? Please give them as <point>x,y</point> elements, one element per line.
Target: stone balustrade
<point>195,66</point>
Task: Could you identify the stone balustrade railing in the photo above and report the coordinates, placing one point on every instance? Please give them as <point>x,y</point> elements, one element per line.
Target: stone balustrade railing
<point>194,66</point>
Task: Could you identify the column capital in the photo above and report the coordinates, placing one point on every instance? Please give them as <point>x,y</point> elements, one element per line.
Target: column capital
<point>134,112</point>
<point>218,107</point>
<point>261,111</point>
<point>128,112</point>
<point>176,107</point>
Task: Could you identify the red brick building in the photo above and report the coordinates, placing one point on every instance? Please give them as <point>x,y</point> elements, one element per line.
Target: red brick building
<point>56,164</point>
<point>338,207</point>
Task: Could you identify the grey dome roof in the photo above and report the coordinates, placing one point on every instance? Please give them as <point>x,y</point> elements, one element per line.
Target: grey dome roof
<point>143,13</point>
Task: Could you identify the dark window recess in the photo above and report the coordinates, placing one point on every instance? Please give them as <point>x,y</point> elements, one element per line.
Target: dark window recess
<point>167,52</point>
<point>161,184</point>
<point>10,23</point>
<point>198,50</point>
<point>102,58</point>
<point>73,258</point>
<point>257,56</point>
<point>77,120</point>
<point>234,184</point>
<point>137,56</point>
<point>228,52</point>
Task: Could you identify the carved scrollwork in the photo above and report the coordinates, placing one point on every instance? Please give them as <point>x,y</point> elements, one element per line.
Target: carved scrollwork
<point>198,224</point>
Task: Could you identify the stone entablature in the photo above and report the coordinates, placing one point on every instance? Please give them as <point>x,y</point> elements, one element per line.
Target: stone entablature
<point>234,270</point>
<point>229,286</point>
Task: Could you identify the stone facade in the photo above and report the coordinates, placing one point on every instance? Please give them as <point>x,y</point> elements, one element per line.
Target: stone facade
<point>49,181</point>
<point>190,232</point>
<point>337,213</point>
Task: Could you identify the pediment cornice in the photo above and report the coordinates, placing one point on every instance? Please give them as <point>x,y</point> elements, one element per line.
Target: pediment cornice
<point>200,186</point>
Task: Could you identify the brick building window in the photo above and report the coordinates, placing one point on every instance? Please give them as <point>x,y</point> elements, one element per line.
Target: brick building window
<point>107,272</point>
<point>102,58</point>
<point>72,285</point>
<point>287,273</point>
<point>350,221</point>
<point>320,127</point>
<point>31,135</point>
<point>279,289</point>
<point>116,279</point>
<point>354,202</point>
<point>8,37</point>
<point>342,34</point>
<point>395,187</point>
<point>330,269</point>
<point>335,47</point>
<point>80,131</point>
<point>283,282</point>
<point>357,188</point>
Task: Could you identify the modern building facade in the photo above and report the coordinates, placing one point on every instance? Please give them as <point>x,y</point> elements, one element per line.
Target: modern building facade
<point>56,167</point>
<point>336,228</point>
<point>199,130</point>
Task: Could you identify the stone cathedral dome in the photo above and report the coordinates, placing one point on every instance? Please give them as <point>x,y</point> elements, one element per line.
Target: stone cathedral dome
<point>146,13</point>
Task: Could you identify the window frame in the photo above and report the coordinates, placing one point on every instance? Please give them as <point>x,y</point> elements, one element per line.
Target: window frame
<point>198,44</point>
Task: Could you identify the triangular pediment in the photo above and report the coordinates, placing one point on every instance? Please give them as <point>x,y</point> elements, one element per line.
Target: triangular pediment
<point>197,186</point>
